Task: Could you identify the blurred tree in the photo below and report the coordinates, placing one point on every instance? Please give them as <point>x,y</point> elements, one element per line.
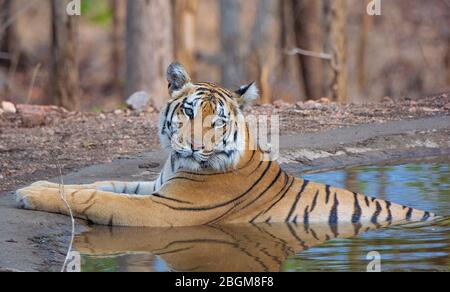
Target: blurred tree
<point>64,82</point>
<point>290,79</point>
<point>309,36</point>
<point>232,63</point>
<point>8,36</point>
<point>447,61</point>
<point>150,49</point>
<point>117,33</point>
<point>337,43</point>
<point>366,26</point>
<point>184,16</point>
<point>264,50</point>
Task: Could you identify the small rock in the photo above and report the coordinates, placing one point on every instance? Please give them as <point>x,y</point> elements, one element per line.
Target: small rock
<point>102,116</point>
<point>118,112</point>
<point>324,100</point>
<point>300,105</point>
<point>387,99</point>
<point>139,101</point>
<point>429,110</point>
<point>31,120</point>
<point>1,111</point>
<point>280,104</point>
<point>36,116</point>
<point>312,105</point>
<point>149,165</point>
<point>447,106</point>
<point>413,110</point>
<point>9,107</point>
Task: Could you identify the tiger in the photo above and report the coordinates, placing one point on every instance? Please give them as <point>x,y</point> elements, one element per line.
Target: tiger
<point>216,180</point>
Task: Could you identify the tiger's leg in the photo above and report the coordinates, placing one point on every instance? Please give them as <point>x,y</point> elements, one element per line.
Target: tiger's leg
<point>130,188</point>
<point>96,206</point>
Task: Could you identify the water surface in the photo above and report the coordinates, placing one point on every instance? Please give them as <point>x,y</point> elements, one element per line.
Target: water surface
<point>282,247</point>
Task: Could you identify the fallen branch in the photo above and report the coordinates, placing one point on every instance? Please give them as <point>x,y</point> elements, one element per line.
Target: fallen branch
<point>320,55</point>
<point>332,58</point>
<point>297,51</point>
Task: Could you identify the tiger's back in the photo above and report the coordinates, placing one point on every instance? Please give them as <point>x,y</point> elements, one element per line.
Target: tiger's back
<point>262,192</point>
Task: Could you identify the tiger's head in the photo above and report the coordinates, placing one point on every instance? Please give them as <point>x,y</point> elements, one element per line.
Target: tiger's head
<point>202,125</point>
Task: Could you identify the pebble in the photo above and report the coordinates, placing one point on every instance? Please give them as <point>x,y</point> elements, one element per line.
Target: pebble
<point>149,165</point>
<point>447,106</point>
<point>139,101</point>
<point>31,120</point>
<point>280,104</point>
<point>9,107</point>
<point>118,112</point>
<point>312,105</point>
<point>324,100</point>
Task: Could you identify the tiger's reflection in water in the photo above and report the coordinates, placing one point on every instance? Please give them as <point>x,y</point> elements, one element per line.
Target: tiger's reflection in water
<point>236,248</point>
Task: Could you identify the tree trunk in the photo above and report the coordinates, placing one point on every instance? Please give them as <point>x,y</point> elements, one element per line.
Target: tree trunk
<point>309,36</point>
<point>338,41</point>
<point>8,36</point>
<point>117,38</point>
<point>264,51</point>
<point>232,65</point>
<point>290,79</point>
<point>447,61</point>
<point>184,15</point>
<point>367,23</point>
<point>64,72</point>
<point>149,47</point>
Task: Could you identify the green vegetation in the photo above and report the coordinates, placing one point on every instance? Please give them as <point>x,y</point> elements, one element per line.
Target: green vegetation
<point>97,11</point>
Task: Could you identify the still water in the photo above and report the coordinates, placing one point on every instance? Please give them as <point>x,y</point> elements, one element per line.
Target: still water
<point>281,247</point>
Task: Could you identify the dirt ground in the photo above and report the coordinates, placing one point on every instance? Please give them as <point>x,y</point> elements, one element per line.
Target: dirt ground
<point>31,150</point>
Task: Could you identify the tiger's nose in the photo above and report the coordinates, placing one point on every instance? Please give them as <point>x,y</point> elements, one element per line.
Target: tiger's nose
<point>196,146</point>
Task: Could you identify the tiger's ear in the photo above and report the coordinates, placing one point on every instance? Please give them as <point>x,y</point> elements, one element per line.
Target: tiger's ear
<point>246,94</point>
<point>177,77</point>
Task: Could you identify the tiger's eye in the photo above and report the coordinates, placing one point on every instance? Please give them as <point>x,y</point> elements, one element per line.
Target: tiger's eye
<point>189,112</point>
<point>219,124</point>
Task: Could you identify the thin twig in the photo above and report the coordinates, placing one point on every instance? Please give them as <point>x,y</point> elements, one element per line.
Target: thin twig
<point>12,72</point>
<point>33,80</point>
<point>63,197</point>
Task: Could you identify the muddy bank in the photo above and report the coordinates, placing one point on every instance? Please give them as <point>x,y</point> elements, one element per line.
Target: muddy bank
<point>33,241</point>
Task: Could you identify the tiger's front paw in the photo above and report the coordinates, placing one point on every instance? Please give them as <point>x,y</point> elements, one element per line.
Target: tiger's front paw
<point>38,198</point>
<point>24,197</point>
